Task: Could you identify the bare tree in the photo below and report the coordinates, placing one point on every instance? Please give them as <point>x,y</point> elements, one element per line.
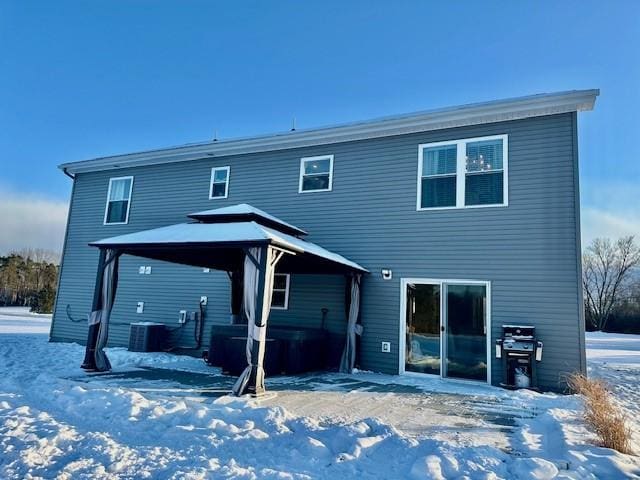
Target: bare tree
<point>606,267</point>
<point>39,255</point>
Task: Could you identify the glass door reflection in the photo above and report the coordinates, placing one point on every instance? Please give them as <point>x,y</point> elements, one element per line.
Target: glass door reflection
<point>466,331</point>
<point>423,329</point>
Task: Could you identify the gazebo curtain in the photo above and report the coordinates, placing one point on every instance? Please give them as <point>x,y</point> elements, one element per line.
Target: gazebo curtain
<point>348,360</point>
<point>258,290</point>
<point>102,309</point>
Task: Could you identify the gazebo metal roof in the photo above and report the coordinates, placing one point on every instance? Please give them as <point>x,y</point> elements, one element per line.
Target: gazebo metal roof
<point>244,212</point>
<point>221,245</point>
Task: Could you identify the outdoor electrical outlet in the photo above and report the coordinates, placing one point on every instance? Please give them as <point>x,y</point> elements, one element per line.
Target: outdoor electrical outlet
<point>141,269</point>
<point>147,270</point>
<point>203,299</point>
<point>183,316</point>
<point>140,307</point>
<point>386,347</point>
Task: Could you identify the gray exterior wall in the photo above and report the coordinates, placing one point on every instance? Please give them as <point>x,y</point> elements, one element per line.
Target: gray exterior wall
<point>529,250</point>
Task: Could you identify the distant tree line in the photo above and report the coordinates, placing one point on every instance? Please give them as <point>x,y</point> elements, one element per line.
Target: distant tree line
<point>611,284</point>
<point>29,278</point>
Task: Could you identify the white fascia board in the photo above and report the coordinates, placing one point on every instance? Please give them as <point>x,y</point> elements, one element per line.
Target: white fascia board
<point>465,115</point>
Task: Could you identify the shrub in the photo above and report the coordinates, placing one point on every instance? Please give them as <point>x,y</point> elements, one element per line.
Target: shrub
<point>44,300</point>
<point>601,414</point>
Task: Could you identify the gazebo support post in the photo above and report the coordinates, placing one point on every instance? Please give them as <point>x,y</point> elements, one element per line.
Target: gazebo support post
<point>89,362</point>
<point>254,387</point>
<point>260,264</point>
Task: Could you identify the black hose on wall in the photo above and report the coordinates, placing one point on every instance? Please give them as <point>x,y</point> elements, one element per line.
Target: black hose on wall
<point>198,329</point>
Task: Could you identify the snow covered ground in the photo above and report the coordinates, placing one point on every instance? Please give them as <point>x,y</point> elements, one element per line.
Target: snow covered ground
<point>20,320</point>
<point>58,422</point>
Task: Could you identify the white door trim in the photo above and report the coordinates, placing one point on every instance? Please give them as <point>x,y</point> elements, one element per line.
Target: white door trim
<point>404,282</point>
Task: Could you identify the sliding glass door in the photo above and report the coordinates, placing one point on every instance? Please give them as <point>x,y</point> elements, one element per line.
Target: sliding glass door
<point>466,332</point>
<point>446,328</point>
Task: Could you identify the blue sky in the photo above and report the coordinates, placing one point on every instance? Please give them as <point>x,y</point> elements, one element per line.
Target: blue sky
<point>85,79</point>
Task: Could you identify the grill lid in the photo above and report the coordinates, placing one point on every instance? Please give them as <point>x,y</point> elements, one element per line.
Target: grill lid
<point>519,332</point>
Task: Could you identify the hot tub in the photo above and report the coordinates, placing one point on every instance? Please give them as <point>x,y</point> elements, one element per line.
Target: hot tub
<point>289,350</point>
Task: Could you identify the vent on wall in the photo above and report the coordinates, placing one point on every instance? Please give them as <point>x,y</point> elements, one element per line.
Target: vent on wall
<point>146,337</point>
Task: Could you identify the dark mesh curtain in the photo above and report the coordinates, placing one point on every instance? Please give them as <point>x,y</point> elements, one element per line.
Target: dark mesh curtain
<point>102,314</point>
<point>348,360</point>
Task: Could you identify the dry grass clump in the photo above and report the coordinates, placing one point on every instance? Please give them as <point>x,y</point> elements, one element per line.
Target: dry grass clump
<point>602,414</point>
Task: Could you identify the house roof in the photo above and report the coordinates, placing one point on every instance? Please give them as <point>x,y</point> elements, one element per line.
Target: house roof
<point>470,114</point>
<point>219,246</point>
<point>245,212</point>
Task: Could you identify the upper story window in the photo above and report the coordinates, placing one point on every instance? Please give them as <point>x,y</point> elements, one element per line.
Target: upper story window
<point>463,173</point>
<point>219,187</point>
<point>438,177</point>
<point>280,298</point>
<point>316,174</point>
<point>118,201</point>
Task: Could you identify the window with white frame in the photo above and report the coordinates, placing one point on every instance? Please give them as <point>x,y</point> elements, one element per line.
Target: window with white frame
<point>484,174</point>
<point>316,174</point>
<point>463,173</point>
<point>280,298</point>
<point>219,187</point>
<point>118,201</point>
<point>438,179</point>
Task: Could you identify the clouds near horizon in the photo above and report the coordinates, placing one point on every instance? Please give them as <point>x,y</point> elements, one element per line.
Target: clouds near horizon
<point>31,221</point>
<point>610,209</point>
<point>601,223</point>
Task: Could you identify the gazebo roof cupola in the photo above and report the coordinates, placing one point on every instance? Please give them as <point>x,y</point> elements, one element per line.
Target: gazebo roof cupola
<point>244,212</point>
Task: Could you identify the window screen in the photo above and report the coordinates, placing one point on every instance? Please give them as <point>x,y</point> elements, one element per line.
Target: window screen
<point>463,173</point>
<point>316,174</point>
<point>118,200</point>
<point>439,176</point>
<point>219,182</point>
<point>484,179</point>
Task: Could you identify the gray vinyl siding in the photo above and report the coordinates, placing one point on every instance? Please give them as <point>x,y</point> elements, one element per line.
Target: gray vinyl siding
<point>528,250</point>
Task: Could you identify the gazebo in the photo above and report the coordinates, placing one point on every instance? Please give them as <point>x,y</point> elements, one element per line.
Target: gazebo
<point>242,240</point>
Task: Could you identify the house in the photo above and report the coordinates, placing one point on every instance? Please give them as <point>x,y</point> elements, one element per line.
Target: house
<point>466,218</point>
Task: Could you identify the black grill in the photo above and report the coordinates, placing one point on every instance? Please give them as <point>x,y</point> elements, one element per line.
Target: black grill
<point>520,352</point>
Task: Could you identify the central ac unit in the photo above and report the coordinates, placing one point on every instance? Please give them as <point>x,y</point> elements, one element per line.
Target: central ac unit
<point>147,337</point>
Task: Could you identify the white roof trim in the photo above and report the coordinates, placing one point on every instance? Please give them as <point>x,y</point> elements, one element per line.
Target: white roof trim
<point>471,114</point>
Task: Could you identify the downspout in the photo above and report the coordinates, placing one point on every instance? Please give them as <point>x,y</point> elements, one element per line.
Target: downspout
<point>72,177</point>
